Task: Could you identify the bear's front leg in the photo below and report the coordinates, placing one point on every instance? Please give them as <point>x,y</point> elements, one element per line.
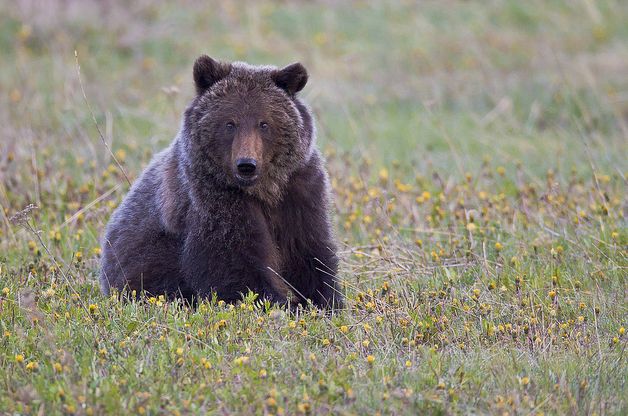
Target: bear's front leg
<point>304,231</point>
<point>327,294</point>
<point>309,252</point>
<point>313,269</point>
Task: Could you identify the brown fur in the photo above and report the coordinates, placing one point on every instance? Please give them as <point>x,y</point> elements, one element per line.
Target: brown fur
<point>238,202</point>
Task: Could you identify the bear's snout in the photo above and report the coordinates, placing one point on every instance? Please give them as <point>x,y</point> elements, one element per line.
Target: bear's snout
<point>246,170</point>
<point>246,158</point>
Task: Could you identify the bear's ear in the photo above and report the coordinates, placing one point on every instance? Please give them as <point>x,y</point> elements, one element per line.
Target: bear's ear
<point>207,72</point>
<point>291,78</point>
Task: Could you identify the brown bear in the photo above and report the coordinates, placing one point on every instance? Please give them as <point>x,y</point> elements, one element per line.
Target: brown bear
<point>238,202</point>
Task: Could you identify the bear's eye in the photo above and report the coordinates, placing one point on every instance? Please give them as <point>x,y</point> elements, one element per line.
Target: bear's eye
<point>230,126</point>
<point>263,125</point>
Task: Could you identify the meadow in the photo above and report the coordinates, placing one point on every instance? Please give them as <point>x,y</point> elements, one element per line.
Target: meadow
<point>477,152</point>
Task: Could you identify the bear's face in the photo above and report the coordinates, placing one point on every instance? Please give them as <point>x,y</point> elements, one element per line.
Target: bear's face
<point>246,128</point>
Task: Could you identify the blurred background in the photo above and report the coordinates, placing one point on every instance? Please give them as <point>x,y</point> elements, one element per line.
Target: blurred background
<point>426,85</point>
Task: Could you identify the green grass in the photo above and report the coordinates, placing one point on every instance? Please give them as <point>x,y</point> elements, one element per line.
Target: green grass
<point>477,151</point>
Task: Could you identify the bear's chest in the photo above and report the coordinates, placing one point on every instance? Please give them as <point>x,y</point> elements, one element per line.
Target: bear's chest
<point>284,227</point>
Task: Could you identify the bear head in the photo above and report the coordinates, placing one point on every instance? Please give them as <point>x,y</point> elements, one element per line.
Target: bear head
<point>246,129</point>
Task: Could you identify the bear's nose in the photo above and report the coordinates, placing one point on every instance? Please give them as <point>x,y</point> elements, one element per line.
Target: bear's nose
<point>246,167</point>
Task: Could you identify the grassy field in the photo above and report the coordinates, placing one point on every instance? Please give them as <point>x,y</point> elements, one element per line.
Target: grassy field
<point>478,157</point>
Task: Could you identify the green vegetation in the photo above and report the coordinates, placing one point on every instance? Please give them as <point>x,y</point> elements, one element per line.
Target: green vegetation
<point>478,156</point>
